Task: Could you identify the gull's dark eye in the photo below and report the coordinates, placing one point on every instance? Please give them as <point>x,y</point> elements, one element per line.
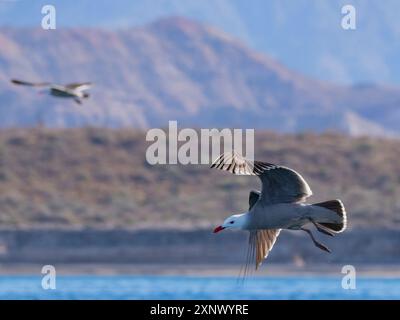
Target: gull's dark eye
<point>231,222</point>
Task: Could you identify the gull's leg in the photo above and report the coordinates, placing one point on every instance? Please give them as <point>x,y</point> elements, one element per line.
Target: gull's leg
<point>322,229</point>
<point>317,244</point>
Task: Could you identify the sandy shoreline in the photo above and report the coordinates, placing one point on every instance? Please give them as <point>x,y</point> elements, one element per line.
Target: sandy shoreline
<point>198,270</point>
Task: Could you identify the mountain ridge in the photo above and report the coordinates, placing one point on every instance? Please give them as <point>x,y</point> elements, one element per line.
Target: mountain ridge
<point>306,34</point>
<point>177,69</point>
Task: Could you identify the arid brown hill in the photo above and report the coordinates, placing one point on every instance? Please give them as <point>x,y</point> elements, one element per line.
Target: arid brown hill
<point>100,178</point>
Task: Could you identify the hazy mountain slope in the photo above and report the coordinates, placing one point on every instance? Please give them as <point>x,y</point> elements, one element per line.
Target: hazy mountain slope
<point>305,34</point>
<point>175,69</point>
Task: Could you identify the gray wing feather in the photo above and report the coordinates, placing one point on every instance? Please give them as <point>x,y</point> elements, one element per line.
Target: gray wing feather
<point>283,185</point>
<point>279,184</point>
<point>253,198</point>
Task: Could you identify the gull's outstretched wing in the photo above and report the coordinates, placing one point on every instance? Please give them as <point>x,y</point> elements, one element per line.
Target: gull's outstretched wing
<point>253,198</point>
<point>31,84</point>
<point>260,244</point>
<point>279,184</point>
<point>265,240</point>
<point>260,241</point>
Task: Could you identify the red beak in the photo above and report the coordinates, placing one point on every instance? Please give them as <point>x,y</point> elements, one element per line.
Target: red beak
<point>218,229</point>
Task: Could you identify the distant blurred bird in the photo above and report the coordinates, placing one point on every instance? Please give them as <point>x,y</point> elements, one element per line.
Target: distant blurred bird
<point>280,205</point>
<point>76,91</point>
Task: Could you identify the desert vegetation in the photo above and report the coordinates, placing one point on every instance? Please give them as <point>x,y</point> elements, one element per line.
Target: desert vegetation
<point>99,178</point>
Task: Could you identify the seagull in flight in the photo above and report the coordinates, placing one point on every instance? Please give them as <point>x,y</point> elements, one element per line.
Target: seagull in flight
<point>76,91</point>
<point>279,205</point>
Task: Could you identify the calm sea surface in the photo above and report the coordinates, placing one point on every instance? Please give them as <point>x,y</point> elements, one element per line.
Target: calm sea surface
<point>186,287</point>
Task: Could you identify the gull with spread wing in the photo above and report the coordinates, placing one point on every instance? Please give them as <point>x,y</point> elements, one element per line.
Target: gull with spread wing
<point>279,205</point>
<point>76,91</point>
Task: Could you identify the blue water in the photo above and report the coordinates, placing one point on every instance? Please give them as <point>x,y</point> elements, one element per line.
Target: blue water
<point>186,287</point>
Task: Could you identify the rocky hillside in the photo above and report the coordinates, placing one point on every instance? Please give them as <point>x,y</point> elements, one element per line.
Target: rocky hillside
<point>177,69</point>
<point>100,178</point>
